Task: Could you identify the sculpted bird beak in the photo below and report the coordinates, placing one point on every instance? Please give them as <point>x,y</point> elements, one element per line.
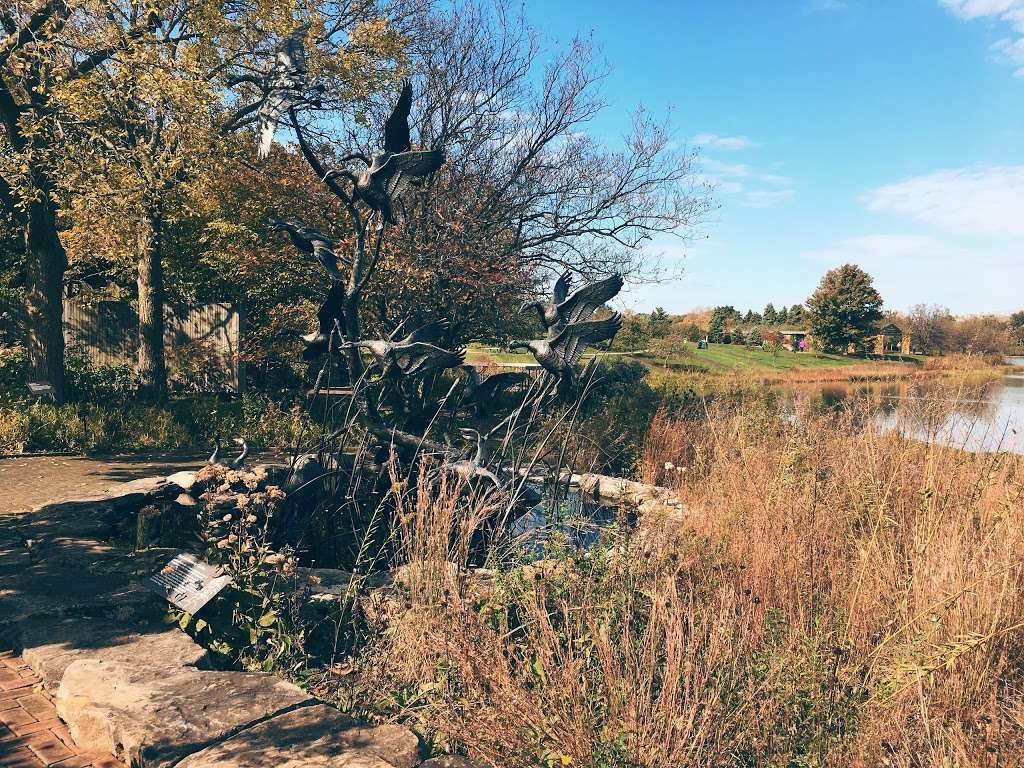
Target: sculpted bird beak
<point>332,174</point>
<point>526,306</point>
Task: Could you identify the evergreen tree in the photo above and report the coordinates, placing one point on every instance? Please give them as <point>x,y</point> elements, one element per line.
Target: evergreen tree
<point>796,314</point>
<point>716,329</point>
<point>658,323</point>
<point>844,309</point>
<point>754,338</point>
<point>771,317</point>
<point>782,317</point>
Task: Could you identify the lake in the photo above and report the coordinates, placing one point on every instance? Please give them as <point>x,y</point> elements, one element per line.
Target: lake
<point>986,416</point>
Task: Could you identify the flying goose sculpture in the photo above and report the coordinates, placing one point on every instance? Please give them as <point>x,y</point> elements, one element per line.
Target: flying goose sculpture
<point>559,354</point>
<point>284,86</point>
<point>390,171</point>
<point>564,308</point>
<point>483,395</point>
<point>330,319</point>
<point>311,240</point>
<point>410,358</point>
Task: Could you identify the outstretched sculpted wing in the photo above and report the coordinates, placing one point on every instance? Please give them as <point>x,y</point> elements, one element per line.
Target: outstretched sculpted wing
<point>401,167</point>
<point>586,300</point>
<point>419,357</point>
<point>332,309</point>
<point>576,337</point>
<point>329,259</point>
<point>430,333</point>
<point>284,87</point>
<point>562,286</point>
<point>396,129</point>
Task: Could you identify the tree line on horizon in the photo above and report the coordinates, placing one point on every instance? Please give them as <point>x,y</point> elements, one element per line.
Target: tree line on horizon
<point>844,310</point>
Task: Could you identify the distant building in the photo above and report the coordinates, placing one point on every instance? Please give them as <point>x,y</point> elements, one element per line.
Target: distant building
<point>890,340</point>
<point>796,341</point>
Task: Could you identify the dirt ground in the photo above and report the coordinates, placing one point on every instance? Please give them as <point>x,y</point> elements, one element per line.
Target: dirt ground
<point>27,482</point>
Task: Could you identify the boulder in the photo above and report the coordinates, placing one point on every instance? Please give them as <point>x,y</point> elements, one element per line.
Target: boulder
<point>151,716</point>
<point>50,645</point>
<point>311,737</point>
<point>184,480</point>
<point>131,495</point>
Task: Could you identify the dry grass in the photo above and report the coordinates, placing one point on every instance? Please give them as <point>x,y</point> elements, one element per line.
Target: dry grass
<point>843,597</point>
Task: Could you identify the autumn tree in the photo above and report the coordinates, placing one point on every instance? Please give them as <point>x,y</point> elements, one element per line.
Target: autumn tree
<point>175,95</point>
<point>931,328</point>
<point>49,49</point>
<point>844,309</point>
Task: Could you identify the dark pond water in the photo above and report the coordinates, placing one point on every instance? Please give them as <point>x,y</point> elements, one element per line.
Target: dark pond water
<point>986,416</point>
<point>575,521</point>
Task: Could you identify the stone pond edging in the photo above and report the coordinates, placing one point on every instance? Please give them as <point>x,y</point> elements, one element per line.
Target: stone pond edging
<point>124,683</point>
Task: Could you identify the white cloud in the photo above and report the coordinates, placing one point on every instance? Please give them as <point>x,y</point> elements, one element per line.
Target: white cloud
<point>1011,11</point>
<point>720,184</point>
<point>1011,52</point>
<point>774,178</point>
<point>726,143</point>
<point>987,201</point>
<point>909,269</point>
<point>716,168</point>
<point>1007,50</point>
<point>767,198</point>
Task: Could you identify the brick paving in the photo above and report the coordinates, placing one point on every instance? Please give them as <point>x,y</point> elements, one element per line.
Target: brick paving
<point>31,734</point>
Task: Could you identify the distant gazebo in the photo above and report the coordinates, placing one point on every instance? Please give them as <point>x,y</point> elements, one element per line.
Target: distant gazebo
<point>794,340</point>
<point>892,340</point>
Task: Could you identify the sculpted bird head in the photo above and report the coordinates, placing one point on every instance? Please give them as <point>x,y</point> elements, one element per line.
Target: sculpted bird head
<point>529,305</point>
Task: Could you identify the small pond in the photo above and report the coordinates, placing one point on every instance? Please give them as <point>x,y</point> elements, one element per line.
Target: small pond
<point>981,416</point>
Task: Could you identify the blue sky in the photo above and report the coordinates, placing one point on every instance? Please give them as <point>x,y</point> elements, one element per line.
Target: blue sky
<point>889,133</point>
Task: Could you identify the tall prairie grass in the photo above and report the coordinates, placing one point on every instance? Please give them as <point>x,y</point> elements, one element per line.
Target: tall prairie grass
<point>839,595</point>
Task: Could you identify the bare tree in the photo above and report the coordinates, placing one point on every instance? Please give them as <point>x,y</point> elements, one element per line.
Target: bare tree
<point>524,188</point>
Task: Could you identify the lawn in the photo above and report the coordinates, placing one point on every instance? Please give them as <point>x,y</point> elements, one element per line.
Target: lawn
<point>728,357</point>
<point>716,358</point>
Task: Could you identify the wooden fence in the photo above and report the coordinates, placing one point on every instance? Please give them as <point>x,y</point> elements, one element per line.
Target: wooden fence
<point>201,345</point>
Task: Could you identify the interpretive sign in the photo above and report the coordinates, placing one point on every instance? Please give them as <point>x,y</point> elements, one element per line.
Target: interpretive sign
<point>188,582</point>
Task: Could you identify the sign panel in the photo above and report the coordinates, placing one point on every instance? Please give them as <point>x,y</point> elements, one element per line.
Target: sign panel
<point>188,582</point>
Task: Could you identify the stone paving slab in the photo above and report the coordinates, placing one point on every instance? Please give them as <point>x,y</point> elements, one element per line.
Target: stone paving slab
<point>317,737</point>
<point>153,717</point>
<point>50,645</point>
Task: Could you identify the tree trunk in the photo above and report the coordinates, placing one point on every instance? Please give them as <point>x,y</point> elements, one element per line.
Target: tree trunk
<point>44,297</point>
<point>152,366</point>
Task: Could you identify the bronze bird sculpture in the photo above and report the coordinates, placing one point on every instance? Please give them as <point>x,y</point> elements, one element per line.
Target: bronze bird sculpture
<point>482,396</point>
<point>564,308</point>
<point>330,319</point>
<point>284,86</point>
<point>559,354</point>
<point>410,358</point>
<point>311,240</point>
<point>474,469</point>
<point>390,171</point>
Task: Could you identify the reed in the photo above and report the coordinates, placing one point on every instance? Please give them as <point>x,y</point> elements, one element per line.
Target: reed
<point>840,596</point>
